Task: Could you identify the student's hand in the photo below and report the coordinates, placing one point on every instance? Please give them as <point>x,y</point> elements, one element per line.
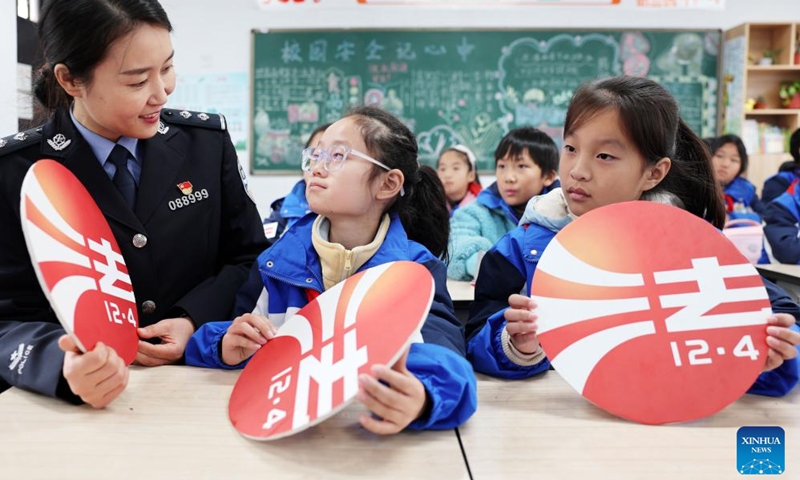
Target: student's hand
<point>521,323</point>
<point>174,334</point>
<point>245,336</point>
<point>781,340</point>
<point>98,376</point>
<point>397,404</point>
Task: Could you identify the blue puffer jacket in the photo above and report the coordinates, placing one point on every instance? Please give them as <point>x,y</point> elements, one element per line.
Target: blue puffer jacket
<point>278,287</point>
<point>506,269</point>
<point>782,217</point>
<point>741,200</point>
<point>286,211</point>
<point>476,227</point>
<point>777,184</point>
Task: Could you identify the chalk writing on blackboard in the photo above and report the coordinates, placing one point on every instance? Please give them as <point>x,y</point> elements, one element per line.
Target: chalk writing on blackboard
<point>460,87</point>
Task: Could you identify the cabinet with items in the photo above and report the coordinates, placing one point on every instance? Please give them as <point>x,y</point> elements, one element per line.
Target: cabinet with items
<point>761,92</point>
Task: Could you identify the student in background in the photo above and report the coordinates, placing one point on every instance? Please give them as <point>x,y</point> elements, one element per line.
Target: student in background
<point>372,204</point>
<point>291,208</point>
<point>788,173</point>
<point>458,172</point>
<point>623,141</point>
<point>107,73</point>
<point>526,163</point>
<point>729,158</point>
<point>782,214</point>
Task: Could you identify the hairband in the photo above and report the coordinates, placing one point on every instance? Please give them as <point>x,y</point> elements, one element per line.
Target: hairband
<point>466,151</point>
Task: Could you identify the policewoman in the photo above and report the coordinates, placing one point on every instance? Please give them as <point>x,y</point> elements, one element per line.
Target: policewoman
<point>168,182</point>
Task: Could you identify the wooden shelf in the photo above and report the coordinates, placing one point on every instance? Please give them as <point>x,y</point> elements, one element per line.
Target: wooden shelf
<point>773,68</point>
<point>741,81</point>
<point>772,111</point>
<point>771,36</point>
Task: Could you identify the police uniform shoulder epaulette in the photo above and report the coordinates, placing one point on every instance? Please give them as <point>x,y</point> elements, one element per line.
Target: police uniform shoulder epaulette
<point>12,143</point>
<point>214,121</point>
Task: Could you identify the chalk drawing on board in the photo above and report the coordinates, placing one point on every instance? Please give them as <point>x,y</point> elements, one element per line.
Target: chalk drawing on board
<point>537,77</point>
<point>685,57</point>
<point>697,100</point>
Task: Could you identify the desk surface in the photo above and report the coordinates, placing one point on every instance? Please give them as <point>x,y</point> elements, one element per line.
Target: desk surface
<point>541,428</point>
<point>781,272</point>
<point>172,422</point>
<point>461,291</point>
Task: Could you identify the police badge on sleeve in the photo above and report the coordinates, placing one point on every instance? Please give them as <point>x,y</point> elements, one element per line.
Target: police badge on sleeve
<point>243,176</point>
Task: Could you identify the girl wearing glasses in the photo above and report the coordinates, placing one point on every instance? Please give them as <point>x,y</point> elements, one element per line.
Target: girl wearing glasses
<point>294,206</point>
<point>372,203</point>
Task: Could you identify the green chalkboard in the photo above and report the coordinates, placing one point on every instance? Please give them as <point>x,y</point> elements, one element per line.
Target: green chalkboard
<point>466,87</point>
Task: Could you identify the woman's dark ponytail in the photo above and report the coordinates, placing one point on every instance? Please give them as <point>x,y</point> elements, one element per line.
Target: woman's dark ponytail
<point>47,90</point>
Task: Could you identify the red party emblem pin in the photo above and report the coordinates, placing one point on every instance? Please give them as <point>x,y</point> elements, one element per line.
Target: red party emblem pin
<point>185,188</point>
<point>651,313</point>
<point>77,260</point>
<point>310,370</point>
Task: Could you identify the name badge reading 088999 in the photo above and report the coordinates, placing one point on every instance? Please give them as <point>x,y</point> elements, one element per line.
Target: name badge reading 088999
<point>189,197</point>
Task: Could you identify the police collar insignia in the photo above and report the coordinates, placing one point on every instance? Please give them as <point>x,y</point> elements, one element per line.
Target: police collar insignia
<point>162,129</point>
<point>59,142</point>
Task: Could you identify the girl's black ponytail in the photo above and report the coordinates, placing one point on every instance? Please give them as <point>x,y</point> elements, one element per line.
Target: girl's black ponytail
<point>693,177</point>
<point>424,214</point>
<point>423,207</point>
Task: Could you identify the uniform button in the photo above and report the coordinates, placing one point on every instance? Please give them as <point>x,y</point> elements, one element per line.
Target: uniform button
<point>270,264</point>
<point>139,240</point>
<point>308,280</point>
<point>148,306</point>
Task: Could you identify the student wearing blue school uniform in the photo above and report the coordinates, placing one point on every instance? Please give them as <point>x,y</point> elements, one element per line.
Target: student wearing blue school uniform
<point>526,163</point>
<point>373,204</point>
<point>614,151</point>
<point>729,158</point>
<point>788,173</point>
<point>294,206</point>
<point>782,218</point>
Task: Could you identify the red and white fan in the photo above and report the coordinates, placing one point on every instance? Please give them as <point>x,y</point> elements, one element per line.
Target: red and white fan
<point>650,313</point>
<point>77,260</point>
<point>309,371</point>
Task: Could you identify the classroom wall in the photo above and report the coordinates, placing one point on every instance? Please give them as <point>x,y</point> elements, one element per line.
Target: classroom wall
<point>225,46</point>
<point>214,36</point>
<point>8,67</point>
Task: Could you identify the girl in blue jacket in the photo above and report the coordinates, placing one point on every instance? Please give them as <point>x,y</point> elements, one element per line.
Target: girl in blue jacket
<point>788,173</point>
<point>729,158</point>
<point>623,141</point>
<point>372,204</point>
<point>287,210</point>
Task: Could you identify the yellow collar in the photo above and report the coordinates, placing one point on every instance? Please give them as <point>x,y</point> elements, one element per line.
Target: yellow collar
<point>337,262</point>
